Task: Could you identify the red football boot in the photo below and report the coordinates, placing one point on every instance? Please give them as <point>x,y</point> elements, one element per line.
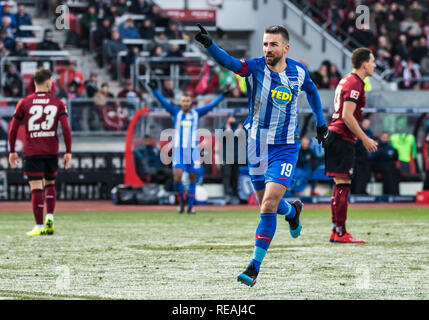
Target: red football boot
<point>332,237</point>
<point>346,238</point>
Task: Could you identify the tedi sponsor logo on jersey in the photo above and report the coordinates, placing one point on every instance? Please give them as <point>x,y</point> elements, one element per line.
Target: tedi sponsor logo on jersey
<point>281,95</point>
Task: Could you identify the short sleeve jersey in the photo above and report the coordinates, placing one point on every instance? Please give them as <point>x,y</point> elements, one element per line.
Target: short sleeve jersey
<point>350,88</point>
<point>41,113</point>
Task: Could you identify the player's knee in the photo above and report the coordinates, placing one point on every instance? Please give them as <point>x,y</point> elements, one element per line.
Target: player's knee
<point>269,204</point>
<point>342,180</point>
<point>36,184</point>
<point>49,182</point>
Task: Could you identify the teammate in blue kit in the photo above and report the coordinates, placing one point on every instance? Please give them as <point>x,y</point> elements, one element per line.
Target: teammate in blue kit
<point>186,156</point>
<point>273,85</point>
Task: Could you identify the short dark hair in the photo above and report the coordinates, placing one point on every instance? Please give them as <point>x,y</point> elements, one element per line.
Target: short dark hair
<point>359,56</point>
<point>42,75</point>
<point>276,29</point>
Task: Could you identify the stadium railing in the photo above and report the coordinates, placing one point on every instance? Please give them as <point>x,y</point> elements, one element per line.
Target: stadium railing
<point>178,70</point>
<point>28,65</point>
<point>146,45</point>
<point>105,116</point>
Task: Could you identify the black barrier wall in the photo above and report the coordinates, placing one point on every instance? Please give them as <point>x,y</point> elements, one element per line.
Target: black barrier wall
<point>92,176</point>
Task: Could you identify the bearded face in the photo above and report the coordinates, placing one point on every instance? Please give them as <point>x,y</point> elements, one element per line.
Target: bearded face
<point>275,48</point>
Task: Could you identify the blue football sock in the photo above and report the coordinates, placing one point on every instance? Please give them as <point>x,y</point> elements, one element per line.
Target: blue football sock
<point>264,234</point>
<point>191,195</point>
<point>286,209</point>
<point>178,187</point>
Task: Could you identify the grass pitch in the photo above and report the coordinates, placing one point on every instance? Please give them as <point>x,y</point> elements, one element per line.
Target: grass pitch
<point>164,255</point>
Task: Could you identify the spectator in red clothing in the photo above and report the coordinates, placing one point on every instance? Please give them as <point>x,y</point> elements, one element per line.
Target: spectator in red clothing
<point>112,117</point>
<point>72,74</point>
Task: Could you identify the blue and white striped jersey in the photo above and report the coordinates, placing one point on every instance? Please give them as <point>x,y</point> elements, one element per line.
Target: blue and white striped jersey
<point>185,129</point>
<point>186,124</point>
<point>273,99</point>
<point>272,96</point>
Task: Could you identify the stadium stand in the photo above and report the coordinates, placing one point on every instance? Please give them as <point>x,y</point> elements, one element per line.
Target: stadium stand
<point>404,62</point>
<point>125,44</point>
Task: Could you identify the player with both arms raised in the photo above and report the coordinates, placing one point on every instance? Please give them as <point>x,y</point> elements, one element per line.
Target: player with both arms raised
<point>41,113</point>
<point>186,155</point>
<point>273,85</point>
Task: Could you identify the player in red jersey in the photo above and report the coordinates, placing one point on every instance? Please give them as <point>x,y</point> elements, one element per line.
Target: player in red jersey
<point>344,130</point>
<point>41,112</point>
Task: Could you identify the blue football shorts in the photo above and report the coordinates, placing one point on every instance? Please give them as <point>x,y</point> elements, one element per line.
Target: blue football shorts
<point>187,160</point>
<point>272,163</point>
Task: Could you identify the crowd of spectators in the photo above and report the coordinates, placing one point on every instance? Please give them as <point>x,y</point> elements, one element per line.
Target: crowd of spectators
<point>398,34</point>
<point>109,32</point>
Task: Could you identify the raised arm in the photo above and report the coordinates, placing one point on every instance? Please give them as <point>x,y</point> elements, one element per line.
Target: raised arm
<point>219,55</point>
<point>206,109</point>
<point>173,110</point>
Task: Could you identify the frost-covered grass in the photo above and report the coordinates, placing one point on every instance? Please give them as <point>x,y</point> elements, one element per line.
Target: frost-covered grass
<point>164,255</point>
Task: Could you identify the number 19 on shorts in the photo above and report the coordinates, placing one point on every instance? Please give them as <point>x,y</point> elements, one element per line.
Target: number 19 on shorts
<point>286,169</point>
